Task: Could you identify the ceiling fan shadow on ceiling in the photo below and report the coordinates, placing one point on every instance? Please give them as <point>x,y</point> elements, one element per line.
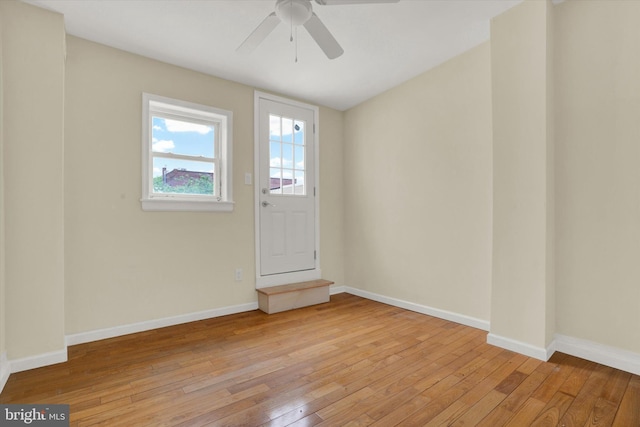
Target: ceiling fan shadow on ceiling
<point>300,12</point>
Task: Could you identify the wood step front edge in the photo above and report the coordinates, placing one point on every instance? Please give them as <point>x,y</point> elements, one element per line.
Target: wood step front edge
<point>273,290</point>
<point>275,299</point>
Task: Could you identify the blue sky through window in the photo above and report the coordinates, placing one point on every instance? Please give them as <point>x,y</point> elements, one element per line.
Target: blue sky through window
<point>181,137</point>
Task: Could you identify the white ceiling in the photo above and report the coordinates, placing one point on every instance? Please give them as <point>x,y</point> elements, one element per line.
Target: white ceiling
<point>384,44</point>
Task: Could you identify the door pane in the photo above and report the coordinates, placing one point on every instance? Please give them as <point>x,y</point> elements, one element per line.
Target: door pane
<point>298,157</point>
<point>275,133</point>
<point>275,180</point>
<point>287,155</point>
<point>300,188</point>
<point>287,130</point>
<point>275,154</point>
<point>298,128</point>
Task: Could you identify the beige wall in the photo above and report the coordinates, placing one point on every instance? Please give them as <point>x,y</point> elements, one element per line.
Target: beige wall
<point>33,106</point>
<point>522,302</point>
<point>598,173</point>
<point>125,265</point>
<point>418,189</point>
<point>3,347</point>
<point>331,195</point>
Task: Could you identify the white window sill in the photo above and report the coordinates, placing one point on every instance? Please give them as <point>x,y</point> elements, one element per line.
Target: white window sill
<point>173,205</point>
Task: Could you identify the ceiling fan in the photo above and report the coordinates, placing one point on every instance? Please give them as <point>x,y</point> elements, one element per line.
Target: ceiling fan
<point>300,12</point>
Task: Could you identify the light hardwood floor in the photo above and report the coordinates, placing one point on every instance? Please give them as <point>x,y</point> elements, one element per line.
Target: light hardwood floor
<point>348,362</point>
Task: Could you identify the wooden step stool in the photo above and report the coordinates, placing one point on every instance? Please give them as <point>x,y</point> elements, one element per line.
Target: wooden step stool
<point>275,299</point>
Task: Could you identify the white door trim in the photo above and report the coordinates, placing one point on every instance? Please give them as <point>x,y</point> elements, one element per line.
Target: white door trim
<point>297,276</point>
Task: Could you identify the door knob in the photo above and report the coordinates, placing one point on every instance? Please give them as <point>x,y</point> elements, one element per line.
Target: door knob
<point>265,204</point>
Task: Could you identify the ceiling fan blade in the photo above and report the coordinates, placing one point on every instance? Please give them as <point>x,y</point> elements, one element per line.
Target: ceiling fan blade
<point>323,37</point>
<point>339,2</point>
<point>259,34</point>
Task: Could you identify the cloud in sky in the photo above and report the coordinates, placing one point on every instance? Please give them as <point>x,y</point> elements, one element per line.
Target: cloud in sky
<point>163,146</point>
<point>180,126</point>
<point>277,162</point>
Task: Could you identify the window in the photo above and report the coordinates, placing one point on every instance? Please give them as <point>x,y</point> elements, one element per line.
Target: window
<point>186,156</point>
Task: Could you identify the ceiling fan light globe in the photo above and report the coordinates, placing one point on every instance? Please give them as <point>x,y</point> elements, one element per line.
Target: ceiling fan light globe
<point>294,12</point>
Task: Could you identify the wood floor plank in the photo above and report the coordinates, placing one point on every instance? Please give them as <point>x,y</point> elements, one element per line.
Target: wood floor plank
<point>526,414</point>
<point>602,413</point>
<point>496,377</point>
<point>449,415</point>
<point>310,420</point>
<point>480,409</point>
<point>581,373</point>
<point>559,369</point>
<point>616,385</point>
<point>629,410</point>
<point>507,409</point>
<point>349,362</point>
<point>554,410</point>
<point>578,413</point>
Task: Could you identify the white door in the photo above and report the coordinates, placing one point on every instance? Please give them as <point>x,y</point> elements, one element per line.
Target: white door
<point>286,188</point>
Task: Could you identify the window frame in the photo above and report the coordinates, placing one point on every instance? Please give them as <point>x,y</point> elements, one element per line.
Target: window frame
<point>222,122</point>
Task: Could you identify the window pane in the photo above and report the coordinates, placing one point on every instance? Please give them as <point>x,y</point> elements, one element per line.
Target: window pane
<point>287,181</point>
<point>182,137</point>
<point>299,157</point>
<point>287,155</point>
<point>298,128</point>
<point>300,187</point>
<point>275,129</point>
<point>275,154</point>
<point>275,181</point>
<point>287,130</point>
<point>183,176</point>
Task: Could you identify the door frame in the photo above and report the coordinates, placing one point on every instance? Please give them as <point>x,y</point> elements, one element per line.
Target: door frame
<point>296,276</point>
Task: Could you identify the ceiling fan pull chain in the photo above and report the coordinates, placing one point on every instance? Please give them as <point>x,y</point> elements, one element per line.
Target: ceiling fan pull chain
<point>291,22</point>
<point>291,38</point>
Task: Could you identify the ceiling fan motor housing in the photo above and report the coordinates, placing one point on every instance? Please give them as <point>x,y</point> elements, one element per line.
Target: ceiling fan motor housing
<point>294,12</point>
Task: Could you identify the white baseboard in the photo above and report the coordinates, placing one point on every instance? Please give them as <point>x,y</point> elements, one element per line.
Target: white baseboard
<point>595,352</point>
<point>419,308</point>
<point>610,356</point>
<point>38,361</point>
<point>116,331</point>
<point>5,370</point>
<point>539,353</point>
<point>336,290</point>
